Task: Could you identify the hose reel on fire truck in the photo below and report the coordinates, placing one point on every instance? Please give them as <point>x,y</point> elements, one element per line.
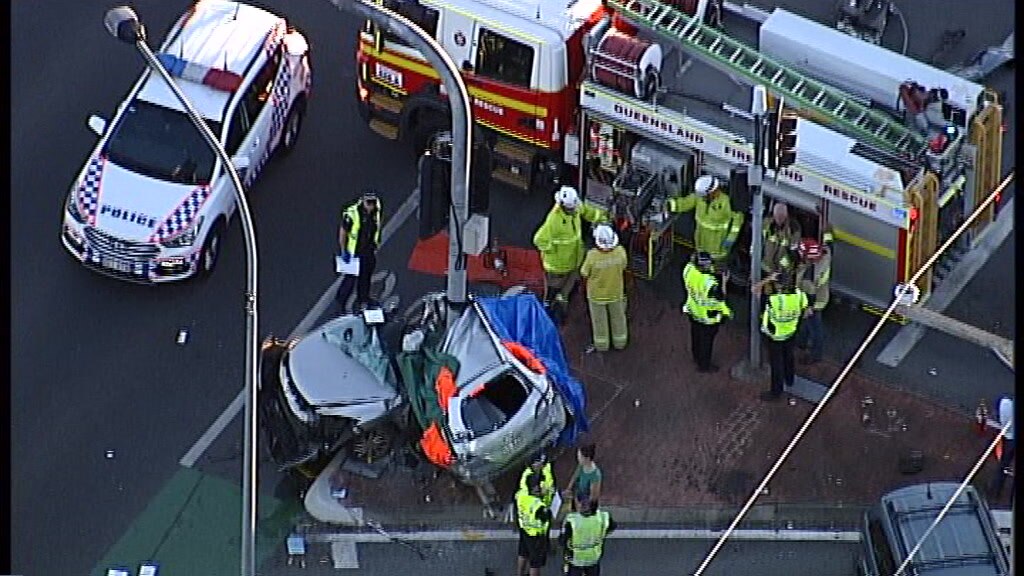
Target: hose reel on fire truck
<point>627,64</point>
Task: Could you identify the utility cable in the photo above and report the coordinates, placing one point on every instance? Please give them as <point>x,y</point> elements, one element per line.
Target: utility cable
<point>956,495</point>
<point>901,291</point>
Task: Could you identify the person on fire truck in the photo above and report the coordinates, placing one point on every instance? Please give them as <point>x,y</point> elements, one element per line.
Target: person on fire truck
<point>813,274</point>
<point>717,225</point>
<point>560,241</point>
<point>781,240</point>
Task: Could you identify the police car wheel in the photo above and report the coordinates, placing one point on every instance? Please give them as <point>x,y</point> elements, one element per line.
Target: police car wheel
<point>292,129</point>
<point>211,251</point>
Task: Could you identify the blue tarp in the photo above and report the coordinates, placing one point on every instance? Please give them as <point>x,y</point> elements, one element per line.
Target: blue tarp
<point>522,318</point>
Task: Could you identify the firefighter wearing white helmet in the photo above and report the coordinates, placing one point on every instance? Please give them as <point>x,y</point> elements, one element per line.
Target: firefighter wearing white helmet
<point>717,225</point>
<point>603,270</point>
<point>560,241</point>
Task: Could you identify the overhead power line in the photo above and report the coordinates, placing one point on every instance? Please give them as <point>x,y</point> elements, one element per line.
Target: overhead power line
<point>898,297</point>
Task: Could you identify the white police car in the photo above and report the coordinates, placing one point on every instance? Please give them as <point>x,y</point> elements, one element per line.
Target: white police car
<point>152,202</point>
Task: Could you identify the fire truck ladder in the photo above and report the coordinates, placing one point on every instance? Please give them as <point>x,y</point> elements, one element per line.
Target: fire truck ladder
<point>837,107</point>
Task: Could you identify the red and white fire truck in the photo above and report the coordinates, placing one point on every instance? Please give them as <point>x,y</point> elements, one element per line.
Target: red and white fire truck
<point>627,100</point>
<point>522,63</point>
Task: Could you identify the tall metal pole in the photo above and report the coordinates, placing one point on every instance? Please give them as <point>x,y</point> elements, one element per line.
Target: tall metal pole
<point>755,176</point>
<point>249,492</point>
<point>123,23</point>
<point>462,128</point>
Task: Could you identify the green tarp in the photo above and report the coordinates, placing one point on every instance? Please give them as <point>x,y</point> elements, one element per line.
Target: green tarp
<point>419,372</point>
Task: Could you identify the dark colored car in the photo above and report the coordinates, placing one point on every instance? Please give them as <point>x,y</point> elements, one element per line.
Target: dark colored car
<point>964,543</point>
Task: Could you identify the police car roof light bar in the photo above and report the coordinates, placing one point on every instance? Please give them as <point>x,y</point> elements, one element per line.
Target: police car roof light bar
<point>217,79</point>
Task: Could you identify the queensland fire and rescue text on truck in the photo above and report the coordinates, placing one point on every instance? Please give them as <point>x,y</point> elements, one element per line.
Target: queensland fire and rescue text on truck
<point>576,93</point>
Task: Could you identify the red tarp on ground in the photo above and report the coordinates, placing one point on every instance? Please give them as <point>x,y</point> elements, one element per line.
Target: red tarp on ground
<point>523,265</point>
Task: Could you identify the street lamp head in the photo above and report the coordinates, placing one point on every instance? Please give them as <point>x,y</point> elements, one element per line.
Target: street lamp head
<point>124,24</point>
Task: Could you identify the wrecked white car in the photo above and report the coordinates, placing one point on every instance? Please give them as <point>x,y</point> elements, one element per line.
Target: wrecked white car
<point>333,387</point>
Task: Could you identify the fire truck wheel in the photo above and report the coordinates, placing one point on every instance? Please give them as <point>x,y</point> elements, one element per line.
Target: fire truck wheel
<point>424,131</point>
<point>211,250</point>
<point>292,128</point>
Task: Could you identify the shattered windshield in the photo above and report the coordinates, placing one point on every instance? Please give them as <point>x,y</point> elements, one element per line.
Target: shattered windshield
<point>362,345</point>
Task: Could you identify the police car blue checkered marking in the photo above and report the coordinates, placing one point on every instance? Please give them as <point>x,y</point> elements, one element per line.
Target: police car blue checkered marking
<point>274,38</point>
<point>282,89</point>
<point>89,189</point>
<point>183,215</point>
<point>279,108</point>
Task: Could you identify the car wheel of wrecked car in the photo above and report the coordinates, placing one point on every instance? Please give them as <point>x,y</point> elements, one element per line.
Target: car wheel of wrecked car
<point>373,445</point>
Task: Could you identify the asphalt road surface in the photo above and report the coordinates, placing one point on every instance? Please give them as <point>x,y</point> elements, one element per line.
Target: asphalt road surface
<point>621,558</point>
<point>105,403</point>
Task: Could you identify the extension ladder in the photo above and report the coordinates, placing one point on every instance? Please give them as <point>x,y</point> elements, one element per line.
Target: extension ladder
<point>798,90</point>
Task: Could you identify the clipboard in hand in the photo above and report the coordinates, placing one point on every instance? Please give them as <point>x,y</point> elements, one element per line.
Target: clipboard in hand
<point>350,268</point>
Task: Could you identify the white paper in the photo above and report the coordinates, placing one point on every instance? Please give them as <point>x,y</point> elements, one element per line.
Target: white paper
<point>373,316</point>
<point>556,504</point>
<point>350,268</point>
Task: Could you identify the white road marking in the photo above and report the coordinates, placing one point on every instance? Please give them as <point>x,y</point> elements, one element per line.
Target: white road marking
<point>344,555</point>
<point>211,434</point>
<point>908,336</point>
<point>621,534</point>
<point>206,440</point>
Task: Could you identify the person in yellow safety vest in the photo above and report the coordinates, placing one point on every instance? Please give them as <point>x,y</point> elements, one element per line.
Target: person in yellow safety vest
<point>813,274</point>
<point>534,521</point>
<point>706,307</point>
<point>582,538</point>
<point>716,224</point>
<point>359,237</point>
<point>603,270</point>
<point>560,241</point>
<point>779,323</point>
<point>541,466</point>
<point>781,238</point>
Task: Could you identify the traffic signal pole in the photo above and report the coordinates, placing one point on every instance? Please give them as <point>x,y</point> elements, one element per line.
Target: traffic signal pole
<point>754,179</point>
<point>462,128</point>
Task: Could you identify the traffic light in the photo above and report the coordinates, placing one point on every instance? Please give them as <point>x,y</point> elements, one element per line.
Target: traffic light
<point>786,144</point>
<point>434,184</point>
<point>772,156</point>
<point>781,139</point>
<point>435,188</point>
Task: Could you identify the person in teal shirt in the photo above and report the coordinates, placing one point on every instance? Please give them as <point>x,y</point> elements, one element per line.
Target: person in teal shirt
<point>586,479</point>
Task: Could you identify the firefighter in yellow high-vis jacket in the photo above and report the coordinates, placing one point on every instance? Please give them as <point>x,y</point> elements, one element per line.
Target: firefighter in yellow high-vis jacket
<point>716,224</point>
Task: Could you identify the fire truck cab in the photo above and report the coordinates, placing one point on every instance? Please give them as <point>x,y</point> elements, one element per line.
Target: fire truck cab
<point>522,63</point>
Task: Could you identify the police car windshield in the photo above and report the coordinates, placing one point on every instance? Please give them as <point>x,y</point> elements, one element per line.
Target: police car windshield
<point>161,143</point>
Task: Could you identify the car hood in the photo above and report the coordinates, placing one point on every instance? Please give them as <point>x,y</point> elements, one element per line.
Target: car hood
<point>135,206</point>
<point>330,371</point>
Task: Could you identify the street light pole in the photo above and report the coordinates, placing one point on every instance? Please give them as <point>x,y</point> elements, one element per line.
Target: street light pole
<point>759,107</point>
<point>124,24</point>
<point>462,128</point>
